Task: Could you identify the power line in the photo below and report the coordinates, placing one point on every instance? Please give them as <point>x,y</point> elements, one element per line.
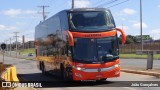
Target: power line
<point>96,3</point>
<point>107,3</point>
<point>43,12</point>
<point>118,4</point>
<point>57,6</point>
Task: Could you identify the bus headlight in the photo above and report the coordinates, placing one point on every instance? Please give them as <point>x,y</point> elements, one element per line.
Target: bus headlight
<point>117,65</point>
<point>79,68</point>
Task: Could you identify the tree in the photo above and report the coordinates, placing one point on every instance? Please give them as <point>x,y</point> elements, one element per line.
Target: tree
<point>129,39</point>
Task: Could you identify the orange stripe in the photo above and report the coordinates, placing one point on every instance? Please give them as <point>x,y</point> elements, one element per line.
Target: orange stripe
<point>94,35</point>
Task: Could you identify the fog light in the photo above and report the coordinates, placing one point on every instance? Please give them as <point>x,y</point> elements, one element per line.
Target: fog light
<point>78,75</point>
<point>117,72</point>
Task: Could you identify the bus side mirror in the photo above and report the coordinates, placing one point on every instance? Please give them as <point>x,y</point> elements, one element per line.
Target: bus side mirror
<point>70,37</point>
<point>123,35</point>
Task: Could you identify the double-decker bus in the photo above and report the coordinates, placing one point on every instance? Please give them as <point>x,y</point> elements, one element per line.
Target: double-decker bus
<point>79,44</point>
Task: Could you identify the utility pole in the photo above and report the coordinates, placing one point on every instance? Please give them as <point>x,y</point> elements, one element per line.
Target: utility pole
<point>6,44</point>
<point>72,4</point>
<point>23,41</point>
<point>43,12</point>
<point>27,41</point>
<point>141,25</point>
<point>7,47</point>
<point>10,46</point>
<point>16,36</point>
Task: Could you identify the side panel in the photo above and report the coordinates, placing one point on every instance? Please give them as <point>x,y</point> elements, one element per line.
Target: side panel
<point>64,21</point>
<point>52,42</point>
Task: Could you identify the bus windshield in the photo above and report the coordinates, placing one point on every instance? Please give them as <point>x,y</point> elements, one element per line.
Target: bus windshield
<point>91,21</point>
<point>95,50</point>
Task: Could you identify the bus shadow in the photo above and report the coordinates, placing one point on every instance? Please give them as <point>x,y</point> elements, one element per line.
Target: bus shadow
<point>49,81</point>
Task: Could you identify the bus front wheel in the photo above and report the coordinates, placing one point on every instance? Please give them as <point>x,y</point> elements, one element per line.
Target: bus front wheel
<point>104,79</point>
<point>66,74</point>
<point>63,74</point>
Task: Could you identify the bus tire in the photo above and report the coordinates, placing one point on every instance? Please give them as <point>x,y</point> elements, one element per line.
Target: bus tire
<point>40,65</point>
<point>66,74</point>
<point>43,68</point>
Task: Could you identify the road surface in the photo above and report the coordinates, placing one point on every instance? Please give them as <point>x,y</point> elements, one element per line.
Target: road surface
<point>28,71</point>
<point>138,63</point>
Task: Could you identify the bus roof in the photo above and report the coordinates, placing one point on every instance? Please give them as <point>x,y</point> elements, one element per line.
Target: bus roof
<point>86,9</point>
<point>77,9</point>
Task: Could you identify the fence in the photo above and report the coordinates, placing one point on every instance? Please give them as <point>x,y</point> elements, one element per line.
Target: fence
<point>131,48</point>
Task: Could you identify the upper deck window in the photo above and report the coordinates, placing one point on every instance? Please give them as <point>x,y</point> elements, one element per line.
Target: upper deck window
<point>91,21</point>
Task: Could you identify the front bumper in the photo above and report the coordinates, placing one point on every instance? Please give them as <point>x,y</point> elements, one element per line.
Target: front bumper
<point>96,74</point>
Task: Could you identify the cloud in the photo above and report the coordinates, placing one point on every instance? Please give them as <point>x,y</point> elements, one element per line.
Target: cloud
<point>133,21</point>
<point>129,11</point>
<point>29,12</point>
<point>155,33</point>
<point>124,13</point>
<point>3,27</point>
<point>16,12</point>
<point>20,23</point>
<point>12,12</point>
<point>123,19</point>
<point>82,3</point>
<point>137,25</point>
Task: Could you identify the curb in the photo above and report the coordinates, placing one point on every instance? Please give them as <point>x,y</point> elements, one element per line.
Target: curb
<point>142,72</point>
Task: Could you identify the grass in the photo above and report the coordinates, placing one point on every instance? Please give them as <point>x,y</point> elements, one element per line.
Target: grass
<point>134,56</point>
<point>26,51</point>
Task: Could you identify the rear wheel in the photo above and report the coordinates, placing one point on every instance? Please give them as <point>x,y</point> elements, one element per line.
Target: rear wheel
<point>43,69</point>
<point>40,65</point>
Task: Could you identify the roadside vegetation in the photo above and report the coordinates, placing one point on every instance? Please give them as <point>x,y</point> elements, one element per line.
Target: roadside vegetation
<point>27,51</point>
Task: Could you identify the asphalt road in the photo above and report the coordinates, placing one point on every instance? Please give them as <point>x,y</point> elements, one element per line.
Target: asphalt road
<point>28,71</point>
<point>138,63</point>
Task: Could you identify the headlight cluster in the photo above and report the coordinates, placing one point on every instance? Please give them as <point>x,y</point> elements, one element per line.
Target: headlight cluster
<point>117,65</point>
<point>78,68</point>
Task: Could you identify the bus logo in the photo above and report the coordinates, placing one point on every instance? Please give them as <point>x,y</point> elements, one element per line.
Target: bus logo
<point>93,35</point>
<point>99,70</point>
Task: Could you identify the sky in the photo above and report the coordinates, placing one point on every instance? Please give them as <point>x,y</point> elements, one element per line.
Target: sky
<point>22,15</point>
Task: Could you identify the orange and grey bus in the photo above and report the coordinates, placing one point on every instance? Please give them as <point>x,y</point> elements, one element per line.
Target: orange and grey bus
<point>79,44</point>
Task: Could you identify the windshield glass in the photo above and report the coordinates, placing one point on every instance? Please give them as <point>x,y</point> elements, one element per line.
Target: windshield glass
<point>95,50</point>
<point>91,21</point>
